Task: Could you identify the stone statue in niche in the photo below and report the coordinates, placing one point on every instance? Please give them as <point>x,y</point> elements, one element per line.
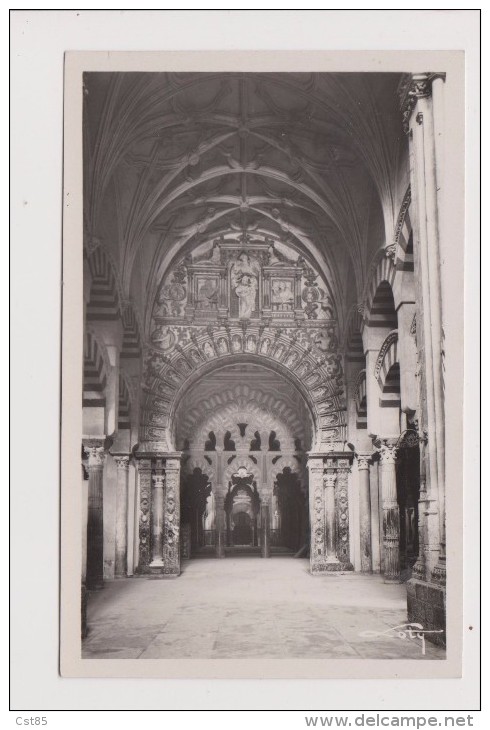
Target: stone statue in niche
<point>245,282</point>
<point>222,346</point>
<point>208,350</point>
<point>236,343</point>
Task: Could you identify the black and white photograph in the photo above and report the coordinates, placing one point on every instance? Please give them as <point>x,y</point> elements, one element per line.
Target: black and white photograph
<point>265,308</point>
<point>245,345</point>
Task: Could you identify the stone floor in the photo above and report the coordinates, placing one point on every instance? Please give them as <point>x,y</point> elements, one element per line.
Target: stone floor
<point>248,607</point>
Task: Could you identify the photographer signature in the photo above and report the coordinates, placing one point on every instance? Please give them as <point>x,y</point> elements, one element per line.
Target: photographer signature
<point>404,631</point>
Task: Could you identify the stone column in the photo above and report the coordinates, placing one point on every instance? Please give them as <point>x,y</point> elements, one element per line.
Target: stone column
<point>375,518</point>
<point>144,479</point>
<point>95,516</point>
<point>122,488</point>
<point>171,514</point>
<point>220,519</point>
<point>329,480</point>
<point>391,512</point>
<point>157,516</point>
<point>266,535</point>
<point>365,512</point>
<point>422,117</point>
<point>317,514</point>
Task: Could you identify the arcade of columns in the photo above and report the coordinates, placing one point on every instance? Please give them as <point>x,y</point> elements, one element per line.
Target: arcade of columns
<point>392,354</point>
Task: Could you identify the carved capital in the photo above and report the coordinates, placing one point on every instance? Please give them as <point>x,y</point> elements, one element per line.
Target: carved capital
<point>122,461</point>
<point>158,481</point>
<point>388,451</point>
<point>96,457</point>
<point>363,461</point>
<point>413,87</point>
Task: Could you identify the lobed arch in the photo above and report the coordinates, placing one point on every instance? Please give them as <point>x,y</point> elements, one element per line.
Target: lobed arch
<point>261,410</point>
<point>198,462</point>
<point>166,385</point>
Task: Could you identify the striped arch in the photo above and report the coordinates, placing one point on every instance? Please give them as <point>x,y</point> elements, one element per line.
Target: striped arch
<point>387,372</point>
<point>361,400</point>
<point>124,409</point>
<point>104,300</point>
<point>404,236</point>
<point>131,344</point>
<point>379,298</point>
<point>94,373</point>
<point>352,345</point>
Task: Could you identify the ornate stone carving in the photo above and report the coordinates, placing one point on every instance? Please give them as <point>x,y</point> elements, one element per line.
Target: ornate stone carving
<point>411,88</point>
<point>363,461</point>
<point>390,251</point>
<point>342,510</point>
<point>122,462</point>
<point>401,216</point>
<point>171,542</point>
<point>391,338</point>
<point>144,472</point>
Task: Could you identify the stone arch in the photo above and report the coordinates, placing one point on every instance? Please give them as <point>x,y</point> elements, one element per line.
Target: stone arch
<point>198,462</point>
<point>94,372</point>
<point>286,461</point>
<point>259,409</point>
<point>105,290</point>
<point>317,375</point>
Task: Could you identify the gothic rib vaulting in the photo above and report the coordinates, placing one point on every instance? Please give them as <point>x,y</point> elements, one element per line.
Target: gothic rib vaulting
<point>260,272</point>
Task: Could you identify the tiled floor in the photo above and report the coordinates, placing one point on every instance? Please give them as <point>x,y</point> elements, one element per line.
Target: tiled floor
<point>248,607</point>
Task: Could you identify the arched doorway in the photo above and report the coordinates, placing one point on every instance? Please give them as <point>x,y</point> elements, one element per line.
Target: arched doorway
<point>250,441</point>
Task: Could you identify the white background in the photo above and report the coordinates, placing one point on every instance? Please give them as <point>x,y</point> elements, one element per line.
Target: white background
<point>39,39</point>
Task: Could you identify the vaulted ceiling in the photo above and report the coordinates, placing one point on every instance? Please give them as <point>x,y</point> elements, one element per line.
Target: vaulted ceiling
<point>317,161</point>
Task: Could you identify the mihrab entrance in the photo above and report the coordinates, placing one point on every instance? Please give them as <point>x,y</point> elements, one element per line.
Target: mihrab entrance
<point>244,482</point>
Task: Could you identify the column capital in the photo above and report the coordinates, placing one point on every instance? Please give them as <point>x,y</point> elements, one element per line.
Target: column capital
<point>413,87</point>
<point>95,448</point>
<point>363,461</point>
<point>388,450</point>
<point>158,480</point>
<point>122,461</point>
